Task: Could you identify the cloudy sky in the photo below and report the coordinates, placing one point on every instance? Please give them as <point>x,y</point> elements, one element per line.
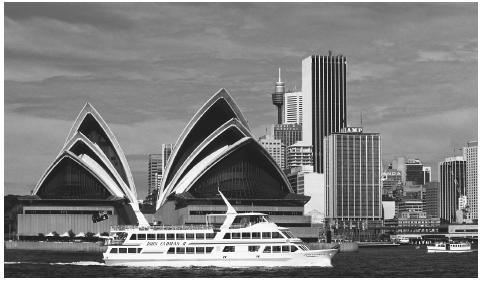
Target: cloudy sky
<point>412,72</point>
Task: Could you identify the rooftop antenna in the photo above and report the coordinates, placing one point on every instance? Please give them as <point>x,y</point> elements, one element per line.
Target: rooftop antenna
<point>361,120</point>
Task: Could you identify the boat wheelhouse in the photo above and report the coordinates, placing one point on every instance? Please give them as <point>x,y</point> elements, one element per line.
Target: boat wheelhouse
<point>241,239</point>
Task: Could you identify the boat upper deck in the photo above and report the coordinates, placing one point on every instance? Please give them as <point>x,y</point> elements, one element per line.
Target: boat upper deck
<point>160,227</point>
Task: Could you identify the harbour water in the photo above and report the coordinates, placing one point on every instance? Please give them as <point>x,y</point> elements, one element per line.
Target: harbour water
<point>404,261</point>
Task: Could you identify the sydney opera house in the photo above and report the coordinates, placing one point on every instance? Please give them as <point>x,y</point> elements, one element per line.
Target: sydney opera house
<point>216,150</point>
<point>89,175</point>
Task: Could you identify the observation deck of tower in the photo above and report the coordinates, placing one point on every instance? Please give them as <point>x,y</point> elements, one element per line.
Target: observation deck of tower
<point>278,97</point>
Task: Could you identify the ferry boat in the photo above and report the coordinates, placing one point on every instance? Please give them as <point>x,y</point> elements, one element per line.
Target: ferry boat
<point>451,247</point>
<point>243,239</point>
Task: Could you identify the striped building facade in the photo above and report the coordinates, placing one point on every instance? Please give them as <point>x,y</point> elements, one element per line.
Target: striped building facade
<point>324,101</point>
<point>353,177</point>
<point>452,186</point>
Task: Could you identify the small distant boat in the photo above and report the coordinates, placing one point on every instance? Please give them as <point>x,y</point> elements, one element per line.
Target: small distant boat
<point>451,247</point>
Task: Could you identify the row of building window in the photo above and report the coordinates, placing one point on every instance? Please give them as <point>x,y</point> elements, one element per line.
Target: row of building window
<point>177,236</point>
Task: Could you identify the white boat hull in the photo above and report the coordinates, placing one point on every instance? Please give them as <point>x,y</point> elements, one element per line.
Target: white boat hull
<point>320,258</point>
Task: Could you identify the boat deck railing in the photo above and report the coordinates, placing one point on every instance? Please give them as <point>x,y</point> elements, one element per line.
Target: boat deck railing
<point>160,227</point>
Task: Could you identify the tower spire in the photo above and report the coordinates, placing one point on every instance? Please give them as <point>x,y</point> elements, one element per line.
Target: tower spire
<point>278,97</point>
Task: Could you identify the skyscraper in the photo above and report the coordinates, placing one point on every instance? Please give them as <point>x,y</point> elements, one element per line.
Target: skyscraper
<point>154,172</point>
<point>278,97</point>
<point>293,108</point>
<point>288,134</point>
<point>432,199</point>
<point>470,155</point>
<point>324,101</point>
<point>452,186</point>
<point>275,149</point>
<point>414,171</point>
<point>353,176</point>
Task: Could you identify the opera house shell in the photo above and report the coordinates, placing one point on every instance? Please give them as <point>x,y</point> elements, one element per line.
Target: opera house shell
<point>90,174</point>
<point>216,150</point>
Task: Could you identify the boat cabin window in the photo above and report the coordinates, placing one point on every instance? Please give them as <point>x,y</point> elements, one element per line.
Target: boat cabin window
<point>200,236</point>
<point>210,236</point>
<point>179,236</point>
<point>113,251</point>
<point>140,236</point>
<point>161,236</point>
<point>229,249</point>
<point>267,249</point>
<point>170,251</point>
<point>266,235</point>
<point>255,235</point>
<point>151,236</point>
<point>276,249</point>
<point>276,235</point>
<point>190,236</point>
<point>190,250</point>
<point>120,236</point>
<point>133,237</point>
<point>285,249</point>
<point>227,236</point>
<point>122,250</point>
<point>209,249</point>
<point>293,249</point>
<point>200,250</point>
<point>139,250</point>
<point>170,237</point>
<point>180,250</point>
<point>235,235</point>
<point>247,220</point>
<point>132,250</point>
<point>253,249</point>
<point>246,235</point>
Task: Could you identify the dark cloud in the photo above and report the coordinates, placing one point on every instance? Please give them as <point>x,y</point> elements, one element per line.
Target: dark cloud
<point>94,14</point>
<point>147,67</point>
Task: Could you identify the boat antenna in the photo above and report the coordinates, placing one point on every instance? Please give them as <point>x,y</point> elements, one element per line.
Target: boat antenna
<point>230,209</point>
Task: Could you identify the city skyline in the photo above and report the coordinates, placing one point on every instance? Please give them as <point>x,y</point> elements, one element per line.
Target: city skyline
<point>409,72</point>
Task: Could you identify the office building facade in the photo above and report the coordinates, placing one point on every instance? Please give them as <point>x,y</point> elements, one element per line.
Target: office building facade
<point>353,177</point>
<point>166,153</point>
<point>471,159</point>
<point>288,134</point>
<point>275,148</point>
<point>452,186</point>
<point>293,108</point>
<point>299,154</point>
<point>414,171</point>
<point>391,182</point>
<point>154,172</point>
<point>432,199</point>
<point>324,101</point>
